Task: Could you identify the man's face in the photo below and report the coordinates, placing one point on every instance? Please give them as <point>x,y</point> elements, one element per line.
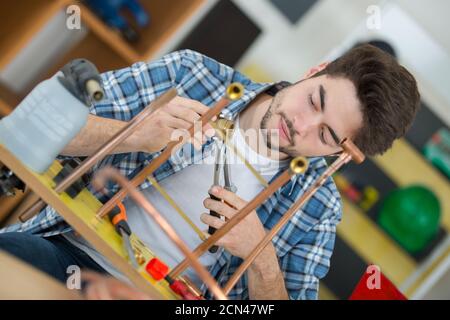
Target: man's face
<point>301,117</point>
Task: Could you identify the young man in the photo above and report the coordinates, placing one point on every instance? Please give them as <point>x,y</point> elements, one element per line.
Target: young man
<point>365,96</point>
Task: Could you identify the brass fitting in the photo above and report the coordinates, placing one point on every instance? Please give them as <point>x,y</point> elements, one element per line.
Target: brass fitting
<point>94,90</point>
<point>235,91</point>
<point>298,165</point>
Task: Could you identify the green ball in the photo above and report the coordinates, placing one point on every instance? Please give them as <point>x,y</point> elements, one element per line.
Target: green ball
<point>411,216</point>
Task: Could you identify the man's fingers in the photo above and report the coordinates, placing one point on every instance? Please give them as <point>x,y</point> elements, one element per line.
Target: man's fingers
<point>206,234</point>
<point>228,197</point>
<point>190,114</point>
<point>179,117</point>
<point>221,242</point>
<point>90,276</point>
<point>182,112</point>
<point>195,105</point>
<point>97,290</point>
<point>211,221</point>
<point>90,293</point>
<point>176,134</point>
<point>219,207</point>
<point>177,123</point>
<point>104,291</point>
<point>102,287</point>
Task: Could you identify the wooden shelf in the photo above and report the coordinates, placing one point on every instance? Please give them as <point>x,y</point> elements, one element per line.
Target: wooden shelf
<point>103,46</point>
<point>108,36</point>
<point>5,108</point>
<point>8,204</point>
<point>93,49</point>
<point>8,95</point>
<point>20,21</point>
<point>8,100</point>
<point>166,17</point>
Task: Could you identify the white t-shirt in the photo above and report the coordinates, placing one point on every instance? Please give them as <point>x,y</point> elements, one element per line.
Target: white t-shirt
<point>188,187</point>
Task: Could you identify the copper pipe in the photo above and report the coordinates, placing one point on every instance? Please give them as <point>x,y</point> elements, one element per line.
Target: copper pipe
<point>191,286</point>
<point>351,152</point>
<point>107,173</point>
<point>32,210</point>
<point>349,147</point>
<point>298,165</point>
<point>105,149</point>
<point>343,159</point>
<point>156,163</point>
<point>94,90</point>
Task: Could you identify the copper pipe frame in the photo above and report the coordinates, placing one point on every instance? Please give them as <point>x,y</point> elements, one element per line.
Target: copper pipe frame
<point>191,286</point>
<point>32,210</point>
<point>238,217</point>
<point>351,152</point>
<point>158,161</point>
<point>104,150</point>
<point>108,173</point>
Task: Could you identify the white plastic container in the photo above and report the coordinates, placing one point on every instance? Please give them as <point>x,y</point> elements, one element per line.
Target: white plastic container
<point>43,124</point>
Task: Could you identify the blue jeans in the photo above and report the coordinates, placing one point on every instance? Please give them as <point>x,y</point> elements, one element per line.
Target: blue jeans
<point>52,255</point>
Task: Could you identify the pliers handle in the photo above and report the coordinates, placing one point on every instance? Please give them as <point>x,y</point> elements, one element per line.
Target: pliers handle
<point>118,217</point>
<point>220,165</point>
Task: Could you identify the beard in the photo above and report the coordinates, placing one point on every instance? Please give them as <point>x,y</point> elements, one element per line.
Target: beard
<point>271,136</point>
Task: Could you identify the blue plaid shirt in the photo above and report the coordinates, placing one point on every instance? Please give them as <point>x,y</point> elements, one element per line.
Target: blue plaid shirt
<point>304,245</point>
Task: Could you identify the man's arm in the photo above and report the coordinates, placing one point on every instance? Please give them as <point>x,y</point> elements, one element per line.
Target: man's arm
<point>265,279</point>
<point>97,132</point>
<point>309,260</point>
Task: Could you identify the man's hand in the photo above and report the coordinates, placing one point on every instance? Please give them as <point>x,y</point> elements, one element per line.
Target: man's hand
<point>175,117</point>
<point>101,287</point>
<point>170,122</point>
<point>265,279</point>
<point>244,236</point>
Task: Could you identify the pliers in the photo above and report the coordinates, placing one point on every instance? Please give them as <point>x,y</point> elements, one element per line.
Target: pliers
<point>221,165</point>
<point>118,217</point>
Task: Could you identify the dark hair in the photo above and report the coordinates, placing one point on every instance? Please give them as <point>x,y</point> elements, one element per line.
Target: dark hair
<point>387,92</point>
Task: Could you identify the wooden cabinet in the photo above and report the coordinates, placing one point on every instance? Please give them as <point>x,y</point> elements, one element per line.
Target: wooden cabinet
<point>22,20</point>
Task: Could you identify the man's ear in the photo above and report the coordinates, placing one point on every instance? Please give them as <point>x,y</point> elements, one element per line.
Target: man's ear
<point>315,70</point>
